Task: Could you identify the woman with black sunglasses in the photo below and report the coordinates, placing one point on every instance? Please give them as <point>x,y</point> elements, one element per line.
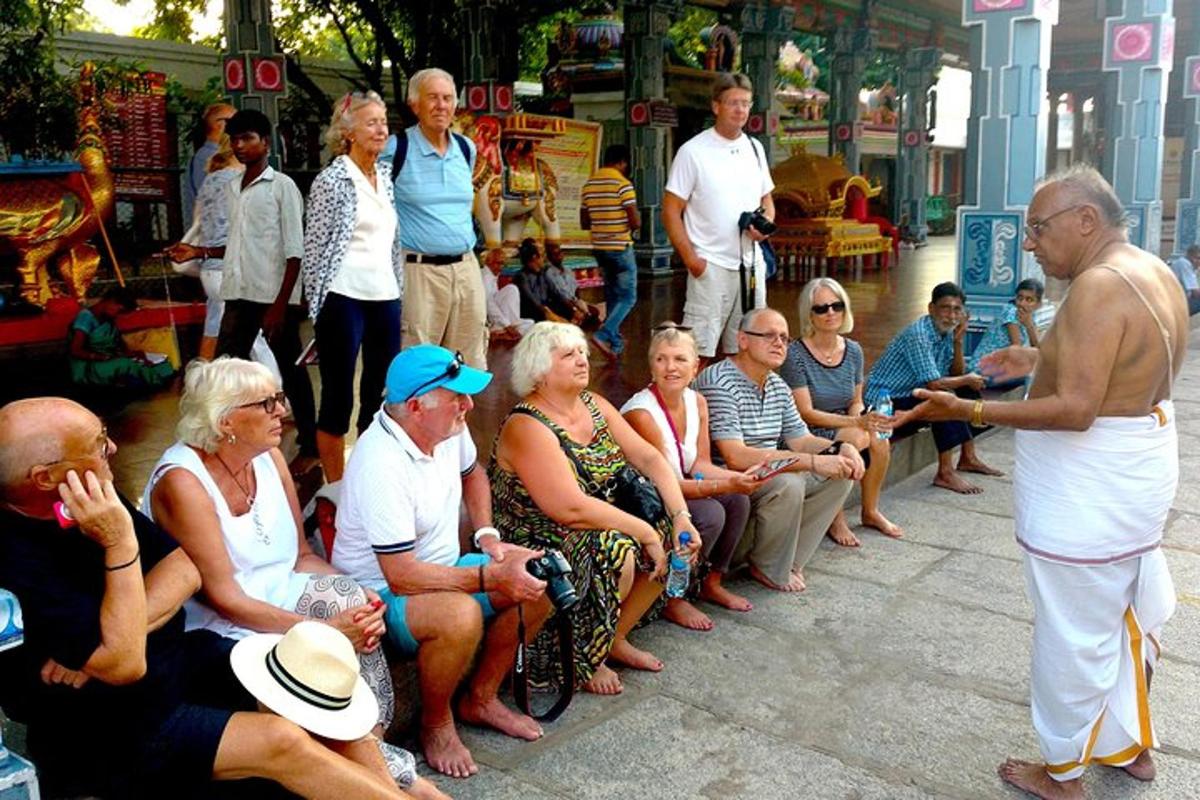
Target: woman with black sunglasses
<point>824,370</point>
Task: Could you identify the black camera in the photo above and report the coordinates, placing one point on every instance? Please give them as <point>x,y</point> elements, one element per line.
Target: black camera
<point>757,219</point>
<point>553,568</point>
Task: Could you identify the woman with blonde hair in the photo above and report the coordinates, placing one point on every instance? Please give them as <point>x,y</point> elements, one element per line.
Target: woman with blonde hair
<point>824,370</point>
<point>673,417</point>
<point>353,272</point>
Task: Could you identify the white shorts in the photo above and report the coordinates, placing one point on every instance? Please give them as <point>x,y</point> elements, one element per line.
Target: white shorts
<point>713,308</point>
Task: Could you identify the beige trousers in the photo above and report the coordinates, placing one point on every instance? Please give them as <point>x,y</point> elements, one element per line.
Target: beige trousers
<point>445,305</point>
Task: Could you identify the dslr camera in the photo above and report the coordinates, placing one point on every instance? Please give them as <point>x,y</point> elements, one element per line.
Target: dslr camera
<point>552,567</point>
<point>757,219</point>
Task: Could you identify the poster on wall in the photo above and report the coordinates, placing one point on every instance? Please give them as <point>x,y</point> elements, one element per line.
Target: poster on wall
<point>138,139</point>
<point>574,156</point>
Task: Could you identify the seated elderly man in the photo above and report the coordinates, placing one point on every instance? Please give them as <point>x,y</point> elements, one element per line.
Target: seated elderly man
<point>397,533</point>
<point>118,699</point>
<point>928,354</point>
<point>751,413</point>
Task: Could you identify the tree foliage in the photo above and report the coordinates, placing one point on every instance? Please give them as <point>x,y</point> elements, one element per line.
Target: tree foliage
<point>37,104</point>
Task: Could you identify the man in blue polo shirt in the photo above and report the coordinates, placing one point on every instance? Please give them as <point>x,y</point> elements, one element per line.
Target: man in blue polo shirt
<point>928,354</point>
<point>444,302</point>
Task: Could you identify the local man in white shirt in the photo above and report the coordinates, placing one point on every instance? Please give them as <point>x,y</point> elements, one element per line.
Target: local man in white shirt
<point>716,176</point>
<point>397,533</point>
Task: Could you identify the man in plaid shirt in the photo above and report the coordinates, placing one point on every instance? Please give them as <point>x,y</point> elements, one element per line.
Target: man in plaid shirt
<point>929,354</point>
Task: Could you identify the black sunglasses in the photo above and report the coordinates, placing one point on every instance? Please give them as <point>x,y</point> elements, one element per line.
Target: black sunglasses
<point>669,326</point>
<point>825,308</point>
<point>452,369</point>
<point>268,403</point>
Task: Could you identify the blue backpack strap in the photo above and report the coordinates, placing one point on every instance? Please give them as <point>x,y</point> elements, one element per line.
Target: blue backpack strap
<point>402,151</point>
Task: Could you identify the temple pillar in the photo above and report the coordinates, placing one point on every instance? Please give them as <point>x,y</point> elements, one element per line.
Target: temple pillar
<point>646,26</point>
<point>1138,48</point>
<point>255,73</point>
<point>1187,210</point>
<point>1052,132</point>
<point>1006,147</point>
<point>852,47</point>
<point>917,77</point>
<point>480,23</point>
<point>763,29</point>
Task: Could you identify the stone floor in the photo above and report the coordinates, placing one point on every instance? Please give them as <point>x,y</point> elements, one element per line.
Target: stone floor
<point>901,673</point>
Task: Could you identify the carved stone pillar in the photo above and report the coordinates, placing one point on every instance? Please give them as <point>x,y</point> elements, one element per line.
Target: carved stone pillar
<point>1187,210</point>
<point>917,77</point>
<point>255,73</point>
<point>852,47</point>
<point>763,29</point>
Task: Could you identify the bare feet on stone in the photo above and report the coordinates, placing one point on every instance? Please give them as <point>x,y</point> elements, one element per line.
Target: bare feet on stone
<point>1142,767</point>
<point>978,467</point>
<point>954,483</point>
<point>686,615</point>
<point>840,532</point>
<point>1033,778</point>
<point>882,524</point>
<point>603,681</point>
<point>494,714</point>
<point>624,653</point>
<point>712,591</point>
<point>795,582</point>
<point>445,752</point>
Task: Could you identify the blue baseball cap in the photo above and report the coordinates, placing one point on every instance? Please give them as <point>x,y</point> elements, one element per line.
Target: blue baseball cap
<point>425,367</point>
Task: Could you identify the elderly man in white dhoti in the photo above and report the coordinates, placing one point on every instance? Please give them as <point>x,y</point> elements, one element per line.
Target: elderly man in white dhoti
<point>1097,465</point>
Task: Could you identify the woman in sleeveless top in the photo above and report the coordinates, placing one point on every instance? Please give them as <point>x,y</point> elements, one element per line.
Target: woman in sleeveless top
<point>824,370</point>
<point>224,492</point>
<point>674,418</point>
<point>541,501</point>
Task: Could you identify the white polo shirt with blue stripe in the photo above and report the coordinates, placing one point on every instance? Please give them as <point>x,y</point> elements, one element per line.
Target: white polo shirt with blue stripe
<point>434,197</point>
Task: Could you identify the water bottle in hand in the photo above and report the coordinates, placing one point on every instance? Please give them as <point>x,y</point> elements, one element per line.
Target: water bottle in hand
<point>677,575</point>
<point>887,409</point>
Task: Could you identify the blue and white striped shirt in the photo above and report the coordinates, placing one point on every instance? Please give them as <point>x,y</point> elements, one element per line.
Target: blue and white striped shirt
<point>918,355</point>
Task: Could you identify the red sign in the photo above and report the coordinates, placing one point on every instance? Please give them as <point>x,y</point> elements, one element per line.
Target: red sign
<point>912,138</point>
<point>477,97</point>
<point>843,132</point>
<point>502,97</point>
<point>269,74</point>
<point>235,74</point>
<point>639,113</point>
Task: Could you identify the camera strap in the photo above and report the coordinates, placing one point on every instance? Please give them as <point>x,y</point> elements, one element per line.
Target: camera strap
<point>566,652</point>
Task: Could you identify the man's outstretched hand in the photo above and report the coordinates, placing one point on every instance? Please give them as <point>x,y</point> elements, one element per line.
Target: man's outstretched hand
<point>1009,363</point>
<point>934,407</point>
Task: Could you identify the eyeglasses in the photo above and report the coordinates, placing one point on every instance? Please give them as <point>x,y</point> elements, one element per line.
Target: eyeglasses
<point>102,445</point>
<point>452,369</point>
<point>268,403</point>
<point>1034,230</point>
<point>770,337</point>
<point>825,308</point>
<point>669,326</point>
<point>736,103</point>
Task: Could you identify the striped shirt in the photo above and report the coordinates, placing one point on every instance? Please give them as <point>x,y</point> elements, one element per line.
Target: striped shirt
<point>434,197</point>
<point>830,386</point>
<point>918,355</point>
<point>606,195</point>
<point>738,410</point>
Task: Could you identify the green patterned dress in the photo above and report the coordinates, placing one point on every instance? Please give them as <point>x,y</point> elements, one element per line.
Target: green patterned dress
<point>595,555</point>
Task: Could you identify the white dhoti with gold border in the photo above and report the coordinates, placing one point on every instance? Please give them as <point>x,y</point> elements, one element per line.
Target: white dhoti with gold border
<point>1090,511</point>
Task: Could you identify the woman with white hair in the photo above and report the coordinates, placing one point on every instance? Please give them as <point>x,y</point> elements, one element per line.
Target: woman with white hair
<point>554,458</point>
<point>353,272</point>
<point>824,370</point>
<point>224,492</point>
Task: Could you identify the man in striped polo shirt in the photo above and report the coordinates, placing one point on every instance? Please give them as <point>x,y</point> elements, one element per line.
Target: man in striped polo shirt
<point>609,210</point>
<point>753,420</point>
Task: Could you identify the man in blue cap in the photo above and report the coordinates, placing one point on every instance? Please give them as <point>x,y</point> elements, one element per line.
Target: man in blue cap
<point>398,534</point>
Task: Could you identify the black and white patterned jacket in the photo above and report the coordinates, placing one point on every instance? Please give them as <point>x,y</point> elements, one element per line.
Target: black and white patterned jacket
<point>329,225</point>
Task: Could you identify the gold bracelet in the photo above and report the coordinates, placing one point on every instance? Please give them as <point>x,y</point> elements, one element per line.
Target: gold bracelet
<point>977,414</point>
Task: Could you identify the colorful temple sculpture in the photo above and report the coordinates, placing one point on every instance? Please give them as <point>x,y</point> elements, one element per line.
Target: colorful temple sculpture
<point>50,211</point>
<point>822,212</point>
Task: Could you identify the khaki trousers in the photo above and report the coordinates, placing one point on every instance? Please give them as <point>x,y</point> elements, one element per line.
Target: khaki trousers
<point>788,517</point>
<point>445,305</point>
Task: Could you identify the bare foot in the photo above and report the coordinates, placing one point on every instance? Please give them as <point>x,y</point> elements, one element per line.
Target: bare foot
<point>978,467</point>
<point>624,653</point>
<point>1142,767</point>
<point>955,484</point>
<point>712,591</point>
<point>686,615</point>
<point>882,524</point>
<point>446,753</point>
<point>494,714</point>
<point>840,532</point>
<point>1033,778</point>
<point>795,582</point>
<point>603,681</point>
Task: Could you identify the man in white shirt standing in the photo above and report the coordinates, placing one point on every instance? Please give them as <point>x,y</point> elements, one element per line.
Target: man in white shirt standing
<point>718,175</point>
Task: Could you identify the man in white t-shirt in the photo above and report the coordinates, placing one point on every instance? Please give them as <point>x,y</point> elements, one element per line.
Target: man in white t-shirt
<point>397,533</point>
<point>718,175</point>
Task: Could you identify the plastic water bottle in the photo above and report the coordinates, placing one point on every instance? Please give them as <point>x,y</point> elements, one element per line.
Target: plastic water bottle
<point>12,626</point>
<point>677,576</point>
<point>887,409</point>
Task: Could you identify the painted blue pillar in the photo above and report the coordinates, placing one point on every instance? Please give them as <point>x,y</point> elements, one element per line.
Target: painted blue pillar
<point>1138,48</point>
<point>917,77</point>
<point>1187,210</point>
<point>852,46</point>
<point>1006,147</point>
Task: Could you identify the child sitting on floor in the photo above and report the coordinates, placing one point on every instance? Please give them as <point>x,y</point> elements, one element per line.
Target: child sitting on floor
<point>98,354</point>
